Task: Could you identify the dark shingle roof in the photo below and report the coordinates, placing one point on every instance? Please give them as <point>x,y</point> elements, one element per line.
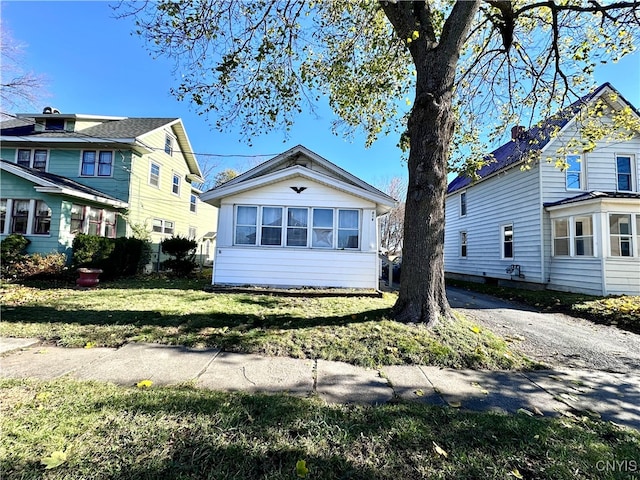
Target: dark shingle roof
<point>534,139</point>
<point>591,195</point>
<point>125,128</point>
<point>62,182</point>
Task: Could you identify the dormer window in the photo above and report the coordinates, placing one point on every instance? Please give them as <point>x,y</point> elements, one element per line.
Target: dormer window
<point>54,124</point>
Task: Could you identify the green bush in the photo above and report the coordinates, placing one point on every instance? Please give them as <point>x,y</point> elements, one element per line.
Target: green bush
<point>184,250</point>
<point>13,248</point>
<point>117,257</point>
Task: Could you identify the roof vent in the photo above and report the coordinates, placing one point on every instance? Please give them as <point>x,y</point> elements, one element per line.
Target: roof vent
<point>49,110</point>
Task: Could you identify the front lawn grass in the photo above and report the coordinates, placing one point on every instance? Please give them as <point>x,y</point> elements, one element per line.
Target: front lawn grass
<point>622,311</point>
<point>349,329</point>
<point>101,431</point>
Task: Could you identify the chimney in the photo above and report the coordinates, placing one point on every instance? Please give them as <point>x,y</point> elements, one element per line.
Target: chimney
<point>517,132</point>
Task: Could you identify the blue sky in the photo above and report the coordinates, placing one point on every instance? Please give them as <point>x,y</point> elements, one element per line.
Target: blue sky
<point>94,65</point>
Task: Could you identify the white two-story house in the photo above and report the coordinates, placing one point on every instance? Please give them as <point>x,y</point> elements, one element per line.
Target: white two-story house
<point>573,228</point>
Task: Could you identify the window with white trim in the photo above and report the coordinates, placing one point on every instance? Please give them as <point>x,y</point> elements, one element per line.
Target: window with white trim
<point>301,227</point>
<point>507,241</point>
<point>96,163</point>
<point>583,236</point>
<point>192,233</point>
<point>42,225</point>
<point>77,218</point>
<point>463,204</point>
<point>624,173</point>
<point>36,159</point>
<point>168,144</point>
<point>193,203</point>
<point>573,236</point>
<point>3,214</point>
<point>175,184</point>
<point>463,244</point>
<point>620,235</point>
<point>574,172</point>
<point>163,226</point>
<point>94,220</point>
<point>109,220</point>
<point>154,174</point>
<point>20,216</point>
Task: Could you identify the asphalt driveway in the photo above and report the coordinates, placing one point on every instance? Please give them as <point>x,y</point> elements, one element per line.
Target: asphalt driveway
<point>554,339</point>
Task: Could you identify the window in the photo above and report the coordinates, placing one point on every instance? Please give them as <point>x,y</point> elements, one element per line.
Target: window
<point>620,235</point>
<point>322,233</point>
<point>104,167</point>
<point>193,201</point>
<point>561,236</point>
<point>54,124</point>
<point>574,172</point>
<point>246,225</point>
<point>463,244</point>
<point>297,223</point>
<point>175,184</point>
<point>507,241</point>
<point>192,233</point>
<point>94,217</point>
<point>271,231</point>
<point>583,241</point>
<point>77,218</point>
<point>624,172</point>
<point>154,174</point>
<point>163,226</point>
<point>20,216</point>
<point>3,214</point>
<point>463,204</point>
<point>109,220</point>
<point>168,144</point>
<point>348,228</point>
<point>43,218</point>
<point>36,159</point>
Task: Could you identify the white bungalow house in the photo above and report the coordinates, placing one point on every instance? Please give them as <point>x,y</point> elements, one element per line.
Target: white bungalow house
<point>575,229</point>
<point>297,220</point>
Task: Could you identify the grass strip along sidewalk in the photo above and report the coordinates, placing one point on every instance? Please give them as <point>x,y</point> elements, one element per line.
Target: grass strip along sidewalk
<point>79,430</point>
<point>356,330</point>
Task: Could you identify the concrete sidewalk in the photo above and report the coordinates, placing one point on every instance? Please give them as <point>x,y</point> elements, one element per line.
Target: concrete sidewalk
<point>612,397</point>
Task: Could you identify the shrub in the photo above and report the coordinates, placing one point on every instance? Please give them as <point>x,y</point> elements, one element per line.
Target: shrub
<point>117,257</point>
<point>13,248</point>
<point>52,265</point>
<point>183,249</point>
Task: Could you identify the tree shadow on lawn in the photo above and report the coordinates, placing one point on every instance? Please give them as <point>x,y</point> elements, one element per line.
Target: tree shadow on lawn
<point>187,323</point>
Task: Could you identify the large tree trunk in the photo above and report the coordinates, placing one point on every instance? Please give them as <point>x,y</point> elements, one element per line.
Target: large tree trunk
<point>422,288</point>
<point>422,296</point>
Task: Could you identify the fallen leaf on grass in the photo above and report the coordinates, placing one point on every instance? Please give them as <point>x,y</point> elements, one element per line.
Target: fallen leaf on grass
<point>301,469</point>
<point>525,411</point>
<point>144,384</point>
<point>56,459</point>
<point>516,473</point>
<point>90,345</point>
<point>419,393</point>
<point>439,450</point>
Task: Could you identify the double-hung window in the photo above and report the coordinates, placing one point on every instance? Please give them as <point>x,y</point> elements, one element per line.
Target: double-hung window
<point>163,226</point>
<point>3,214</point>
<point>620,235</point>
<point>463,204</point>
<point>96,163</point>
<point>154,174</point>
<point>168,144</point>
<point>36,159</point>
<point>507,241</point>
<point>109,220</point>
<point>42,224</point>
<point>463,244</point>
<point>20,216</point>
<point>77,218</point>
<point>175,184</point>
<point>322,232</point>
<point>583,232</point>
<point>94,217</point>
<point>246,225</point>
<point>574,172</point>
<point>271,231</point>
<point>297,227</point>
<point>348,228</point>
<point>624,173</point>
<point>193,203</point>
<point>561,236</point>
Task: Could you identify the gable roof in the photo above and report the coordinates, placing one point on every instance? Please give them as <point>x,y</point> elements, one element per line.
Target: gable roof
<point>535,139</point>
<point>129,131</point>
<point>299,161</point>
<point>56,184</point>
